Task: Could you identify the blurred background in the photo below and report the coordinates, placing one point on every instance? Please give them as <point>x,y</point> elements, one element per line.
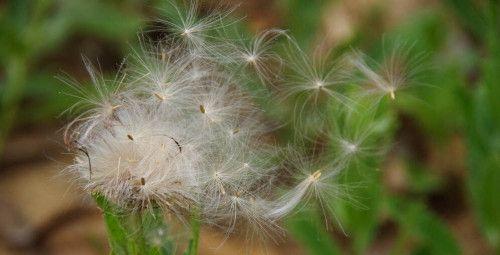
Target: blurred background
<point>437,191</point>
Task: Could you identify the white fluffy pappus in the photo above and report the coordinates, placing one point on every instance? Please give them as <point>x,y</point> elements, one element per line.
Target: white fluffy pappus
<point>398,70</point>
<point>179,130</point>
<point>181,134</point>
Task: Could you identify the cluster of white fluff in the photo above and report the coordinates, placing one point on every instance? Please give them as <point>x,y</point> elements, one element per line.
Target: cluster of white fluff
<point>177,129</point>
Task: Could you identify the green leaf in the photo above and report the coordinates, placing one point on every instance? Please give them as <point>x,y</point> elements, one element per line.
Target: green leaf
<point>155,232</point>
<point>359,209</point>
<point>103,18</point>
<point>192,248</point>
<point>303,18</point>
<point>140,232</point>
<point>422,228</point>
<point>470,15</point>
<point>483,130</point>
<point>484,162</point>
<point>307,228</point>
<point>360,223</point>
<point>117,233</point>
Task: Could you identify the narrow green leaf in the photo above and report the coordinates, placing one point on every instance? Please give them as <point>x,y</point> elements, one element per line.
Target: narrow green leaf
<point>303,19</point>
<point>192,248</point>
<point>360,223</point>
<point>307,229</point>
<point>109,22</point>
<point>483,130</point>
<point>471,16</point>
<point>155,232</point>
<point>425,230</point>
<point>117,234</point>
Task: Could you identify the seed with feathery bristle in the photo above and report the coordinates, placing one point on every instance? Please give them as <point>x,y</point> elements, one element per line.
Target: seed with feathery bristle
<point>159,96</point>
<point>392,94</point>
<point>315,176</point>
<point>221,165</point>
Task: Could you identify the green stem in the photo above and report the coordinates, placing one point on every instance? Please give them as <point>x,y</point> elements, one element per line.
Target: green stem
<point>139,235</point>
<point>195,235</point>
<point>128,233</point>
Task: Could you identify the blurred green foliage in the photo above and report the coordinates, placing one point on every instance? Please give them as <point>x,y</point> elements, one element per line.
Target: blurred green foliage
<point>460,96</point>
<point>32,30</point>
<point>448,103</point>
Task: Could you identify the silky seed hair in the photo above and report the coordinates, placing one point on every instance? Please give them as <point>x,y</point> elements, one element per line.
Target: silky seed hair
<point>178,128</point>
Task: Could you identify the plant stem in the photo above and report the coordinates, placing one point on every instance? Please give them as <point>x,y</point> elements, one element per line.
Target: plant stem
<point>140,238</point>
<point>195,235</point>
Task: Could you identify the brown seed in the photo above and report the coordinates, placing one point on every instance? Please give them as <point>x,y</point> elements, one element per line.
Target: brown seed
<point>392,94</point>
<point>316,175</point>
<point>130,137</point>
<point>143,181</point>
<point>202,108</point>
<point>159,96</point>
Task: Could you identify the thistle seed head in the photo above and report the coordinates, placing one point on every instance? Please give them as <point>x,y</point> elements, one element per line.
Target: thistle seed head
<point>179,128</point>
